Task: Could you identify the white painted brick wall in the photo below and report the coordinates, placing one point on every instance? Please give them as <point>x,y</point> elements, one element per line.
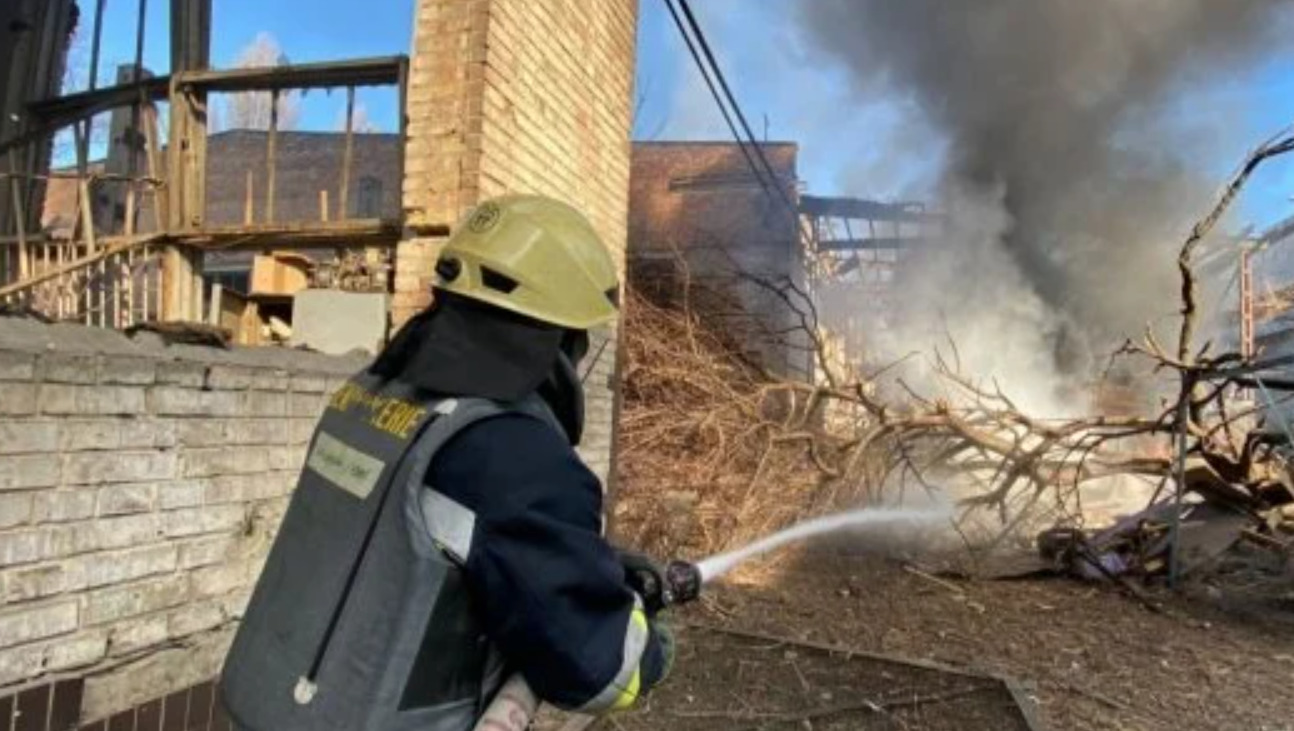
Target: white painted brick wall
<point>139,493</point>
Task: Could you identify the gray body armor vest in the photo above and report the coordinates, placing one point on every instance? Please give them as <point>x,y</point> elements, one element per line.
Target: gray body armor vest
<point>360,620</point>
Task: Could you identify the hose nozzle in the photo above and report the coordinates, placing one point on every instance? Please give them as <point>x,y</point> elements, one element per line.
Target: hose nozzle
<point>678,582</point>
<point>682,583</point>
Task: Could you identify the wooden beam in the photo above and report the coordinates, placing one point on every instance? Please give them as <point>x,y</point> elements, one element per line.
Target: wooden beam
<point>131,204</point>
<point>195,164</point>
<point>272,156</point>
<point>103,291</point>
<point>133,131</point>
<point>64,110</point>
<point>354,232</point>
<point>187,151</point>
<point>187,158</point>
<point>382,71</point>
<point>20,220</point>
<point>175,275</point>
<point>104,177</point>
<point>96,43</point>
<point>87,216</point>
<point>52,114</point>
<point>190,35</point>
<point>249,200</point>
<point>87,124</point>
<point>348,157</point>
<point>153,157</point>
<point>32,240</point>
<point>128,315</point>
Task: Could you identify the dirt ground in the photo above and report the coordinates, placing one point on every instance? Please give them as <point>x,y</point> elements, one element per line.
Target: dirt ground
<point>1088,657</point>
<point>730,680</point>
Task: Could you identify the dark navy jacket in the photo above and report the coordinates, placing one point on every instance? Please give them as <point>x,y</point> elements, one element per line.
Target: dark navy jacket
<point>550,590</point>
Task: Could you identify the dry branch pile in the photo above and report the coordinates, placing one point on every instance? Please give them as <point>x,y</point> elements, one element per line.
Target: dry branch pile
<point>714,449</point>
<point>708,450</point>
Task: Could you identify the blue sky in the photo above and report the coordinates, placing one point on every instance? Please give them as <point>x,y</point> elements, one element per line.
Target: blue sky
<point>848,146</point>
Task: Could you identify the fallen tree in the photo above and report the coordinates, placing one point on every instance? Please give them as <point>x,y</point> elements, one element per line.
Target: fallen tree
<point>715,449</point>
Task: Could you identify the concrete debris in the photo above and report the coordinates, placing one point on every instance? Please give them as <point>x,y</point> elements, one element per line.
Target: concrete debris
<point>335,322</point>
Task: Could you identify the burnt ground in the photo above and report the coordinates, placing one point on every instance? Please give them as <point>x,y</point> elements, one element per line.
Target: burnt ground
<point>1088,656</point>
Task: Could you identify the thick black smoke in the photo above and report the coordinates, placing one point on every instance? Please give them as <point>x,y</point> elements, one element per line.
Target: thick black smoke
<point>1059,105</point>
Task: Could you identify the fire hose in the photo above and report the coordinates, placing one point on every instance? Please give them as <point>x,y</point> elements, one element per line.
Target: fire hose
<point>678,582</point>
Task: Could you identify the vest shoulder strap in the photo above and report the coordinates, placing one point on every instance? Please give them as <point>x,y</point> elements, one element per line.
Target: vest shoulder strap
<point>437,523</point>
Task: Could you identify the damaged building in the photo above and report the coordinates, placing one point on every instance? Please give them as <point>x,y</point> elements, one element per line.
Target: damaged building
<point>858,247</point>
<point>702,224</point>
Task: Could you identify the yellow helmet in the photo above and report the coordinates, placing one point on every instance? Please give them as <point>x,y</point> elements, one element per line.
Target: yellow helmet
<point>533,256</point>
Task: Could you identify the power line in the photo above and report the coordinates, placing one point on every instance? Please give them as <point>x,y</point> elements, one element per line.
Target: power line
<point>805,237</point>
<point>714,92</point>
<point>736,108</point>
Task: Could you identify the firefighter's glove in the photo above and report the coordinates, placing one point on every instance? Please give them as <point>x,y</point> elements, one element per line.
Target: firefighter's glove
<point>646,578</point>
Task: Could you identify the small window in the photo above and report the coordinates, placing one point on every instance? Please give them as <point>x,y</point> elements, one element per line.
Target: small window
<point>369,204</point>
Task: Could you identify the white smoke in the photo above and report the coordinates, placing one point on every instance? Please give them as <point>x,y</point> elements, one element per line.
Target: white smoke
<point>978,310</point>
<point>1072,168</point>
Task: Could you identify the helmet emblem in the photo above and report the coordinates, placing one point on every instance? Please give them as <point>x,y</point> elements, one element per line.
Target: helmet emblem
<point>484,219</point>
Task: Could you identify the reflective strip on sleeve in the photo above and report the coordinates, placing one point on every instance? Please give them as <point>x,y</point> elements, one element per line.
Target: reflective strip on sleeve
<point>450,524</point>
<point>624,688</point>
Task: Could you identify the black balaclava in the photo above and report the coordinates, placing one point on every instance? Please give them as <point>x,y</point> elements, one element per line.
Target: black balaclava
<point>563,389</point>
<point>461,347</point>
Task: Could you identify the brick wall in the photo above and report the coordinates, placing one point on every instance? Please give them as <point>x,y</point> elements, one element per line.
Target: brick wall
<point>140,486</point>
<point>699,200</point>
<point>516,96</point>
<point>520,96</point>
<point>307,162</point>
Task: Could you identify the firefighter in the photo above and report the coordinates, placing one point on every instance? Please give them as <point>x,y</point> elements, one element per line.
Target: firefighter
<point>444,535</point>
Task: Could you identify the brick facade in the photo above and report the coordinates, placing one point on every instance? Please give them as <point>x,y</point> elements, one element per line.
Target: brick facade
<point>140,487</point>
<point>520,96</point>
<point>307,162</point>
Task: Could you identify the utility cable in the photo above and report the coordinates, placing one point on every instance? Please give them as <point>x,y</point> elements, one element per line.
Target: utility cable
<point>718,99</point>
<point>803,236</point>
<point>732,100</point>
<point>712,66</point>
